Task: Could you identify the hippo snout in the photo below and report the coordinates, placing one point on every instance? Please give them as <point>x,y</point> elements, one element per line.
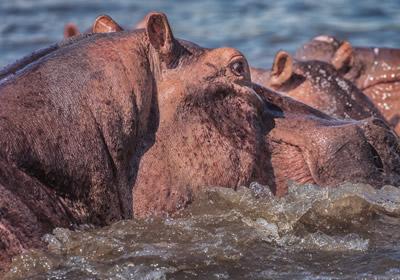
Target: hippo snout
<point>385,146</point>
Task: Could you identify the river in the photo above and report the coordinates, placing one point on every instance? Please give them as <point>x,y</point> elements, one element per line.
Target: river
<point>350,232</point>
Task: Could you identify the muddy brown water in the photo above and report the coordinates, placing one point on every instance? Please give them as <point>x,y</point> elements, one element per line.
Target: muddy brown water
<point>349,232</point>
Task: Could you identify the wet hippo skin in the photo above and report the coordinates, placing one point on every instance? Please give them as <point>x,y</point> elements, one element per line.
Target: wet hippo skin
<point>77,118</point>
<point>376,71</point>
<point>317,84</point>
<point>308,146</point>
<point>130,124</point>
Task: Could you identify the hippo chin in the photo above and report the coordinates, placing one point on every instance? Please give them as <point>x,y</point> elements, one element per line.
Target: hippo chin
<point>317,84</point>
<point>374,70</point>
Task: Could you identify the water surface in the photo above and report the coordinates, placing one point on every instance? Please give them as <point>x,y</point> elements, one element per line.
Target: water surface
<point>351,232</point>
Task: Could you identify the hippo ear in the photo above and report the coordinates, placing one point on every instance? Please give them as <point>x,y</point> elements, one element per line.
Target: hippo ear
<point>160,34</point>
<point>282,69</point>
<point>105,24</point>
<point>70,30</point>
<point>343,58</point>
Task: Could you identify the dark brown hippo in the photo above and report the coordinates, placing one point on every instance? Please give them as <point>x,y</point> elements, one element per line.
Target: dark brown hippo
<point>376,71</point>
<point>317,84</point>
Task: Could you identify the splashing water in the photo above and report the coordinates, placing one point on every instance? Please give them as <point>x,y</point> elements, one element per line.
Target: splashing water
<point>312,233</point>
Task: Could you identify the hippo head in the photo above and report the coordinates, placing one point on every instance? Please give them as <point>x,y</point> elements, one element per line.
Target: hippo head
<point>308,146</point>
<point>209,130</point>
<point>374,70</point>
<point>330,50</point>
<point>317,84</point>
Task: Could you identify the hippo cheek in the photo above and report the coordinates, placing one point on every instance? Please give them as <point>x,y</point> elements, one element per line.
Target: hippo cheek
<point>286,159</point>
<point>356,152</point>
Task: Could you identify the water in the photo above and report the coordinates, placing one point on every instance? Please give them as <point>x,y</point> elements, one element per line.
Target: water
<point>257,28</point>
<point>350,232</point>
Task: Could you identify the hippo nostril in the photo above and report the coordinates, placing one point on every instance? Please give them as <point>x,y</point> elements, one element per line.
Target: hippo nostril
<point>376,158</point>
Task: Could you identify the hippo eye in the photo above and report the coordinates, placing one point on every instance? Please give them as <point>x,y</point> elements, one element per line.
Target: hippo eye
<point>237,68</point>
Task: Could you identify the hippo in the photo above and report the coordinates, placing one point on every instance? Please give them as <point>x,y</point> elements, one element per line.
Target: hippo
<point>308,146</point>
<point>77,121</point>
<point>111,126</point>
<point>317,84</point>
<point>376,71</point>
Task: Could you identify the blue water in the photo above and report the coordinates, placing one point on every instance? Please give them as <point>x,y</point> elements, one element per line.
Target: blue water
<point>257,28</point>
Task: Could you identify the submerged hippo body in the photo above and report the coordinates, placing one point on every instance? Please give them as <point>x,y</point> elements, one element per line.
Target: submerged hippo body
<point>76,122</point>
<point>317,84</point>
<point>376,71</point>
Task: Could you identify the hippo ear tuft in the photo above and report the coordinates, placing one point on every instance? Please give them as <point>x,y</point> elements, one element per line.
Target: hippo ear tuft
<point>343,58</point>
<point>70,30</point>
<point>282,69</point>
<point>105,24</point>
<point>160,34</point>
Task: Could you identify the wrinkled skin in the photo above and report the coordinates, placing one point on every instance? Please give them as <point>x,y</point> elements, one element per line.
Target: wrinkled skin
<point>308,146</point>
<point>317,84</point>
<point>376,71</point>
<point>137,131</point>
<point>324,157</point>
<point>78,129</point>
